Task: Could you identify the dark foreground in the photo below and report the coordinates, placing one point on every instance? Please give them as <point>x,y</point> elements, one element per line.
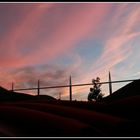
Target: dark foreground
<point>43,118</point>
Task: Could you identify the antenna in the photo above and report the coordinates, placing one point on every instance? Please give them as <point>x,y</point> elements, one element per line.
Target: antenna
<point>38,88</point>
<point>110,84</point>
<point>70,89</point>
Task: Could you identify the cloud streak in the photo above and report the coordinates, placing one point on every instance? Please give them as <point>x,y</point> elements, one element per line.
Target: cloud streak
<point>21,32</point>
<point>70,29</point>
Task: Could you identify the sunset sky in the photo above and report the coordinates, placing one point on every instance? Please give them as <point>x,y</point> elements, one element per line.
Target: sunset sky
<point>51,41</point>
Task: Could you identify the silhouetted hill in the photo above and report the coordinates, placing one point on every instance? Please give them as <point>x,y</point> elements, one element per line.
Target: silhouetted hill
<point>6,95</point>
<point>130,89</point>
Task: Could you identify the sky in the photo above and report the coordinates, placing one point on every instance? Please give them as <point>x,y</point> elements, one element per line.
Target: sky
<point>51,41</point>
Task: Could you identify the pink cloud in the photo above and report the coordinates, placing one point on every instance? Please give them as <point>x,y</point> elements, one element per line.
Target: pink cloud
<point>23,30</point>
<point>70,30</point>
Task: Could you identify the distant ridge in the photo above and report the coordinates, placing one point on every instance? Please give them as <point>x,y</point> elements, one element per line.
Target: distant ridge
<point>6,95</point>
<point>131,89</point>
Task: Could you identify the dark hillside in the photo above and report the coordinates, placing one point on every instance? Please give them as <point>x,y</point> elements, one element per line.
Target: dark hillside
<point>6,96</point>
<point>130,89</point>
